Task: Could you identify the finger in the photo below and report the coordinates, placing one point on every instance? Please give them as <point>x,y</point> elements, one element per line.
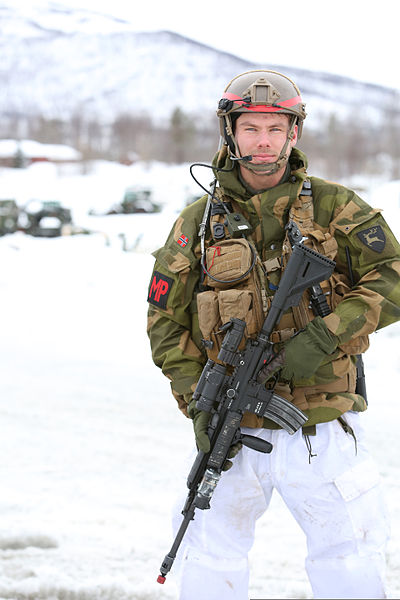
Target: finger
<point>235,449</point>
<point>228,464</point>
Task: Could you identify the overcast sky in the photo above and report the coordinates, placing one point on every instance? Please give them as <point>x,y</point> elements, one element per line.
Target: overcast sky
<point>356,38</point>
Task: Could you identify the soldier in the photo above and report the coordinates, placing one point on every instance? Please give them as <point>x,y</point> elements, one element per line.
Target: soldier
<point>323,472</point>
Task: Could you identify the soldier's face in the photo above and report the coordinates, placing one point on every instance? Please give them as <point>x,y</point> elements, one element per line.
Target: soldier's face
<point>263,135</point>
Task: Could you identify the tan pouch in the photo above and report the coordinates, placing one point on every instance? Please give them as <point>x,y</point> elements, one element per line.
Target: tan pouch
<point>239,304</point>
<point>227,262</point>
<point>324,243</point>
<point>210,321</point>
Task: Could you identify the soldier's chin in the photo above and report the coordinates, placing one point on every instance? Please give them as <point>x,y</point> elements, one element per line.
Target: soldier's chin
<point>263,168</point>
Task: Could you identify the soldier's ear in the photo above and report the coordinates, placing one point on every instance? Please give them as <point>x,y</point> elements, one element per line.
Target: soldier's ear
<point>293,141</point>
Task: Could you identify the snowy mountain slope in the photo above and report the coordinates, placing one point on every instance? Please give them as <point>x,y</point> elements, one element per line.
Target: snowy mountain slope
<point>57,61</point>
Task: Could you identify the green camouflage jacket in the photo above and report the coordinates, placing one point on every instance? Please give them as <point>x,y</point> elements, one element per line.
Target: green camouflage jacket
<point>373,302</point>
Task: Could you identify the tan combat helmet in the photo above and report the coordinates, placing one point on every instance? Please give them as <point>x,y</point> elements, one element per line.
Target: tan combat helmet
<point>260,91</point>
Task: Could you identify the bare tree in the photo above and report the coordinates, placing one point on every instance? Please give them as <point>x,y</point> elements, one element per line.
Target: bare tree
<point>182,135</point>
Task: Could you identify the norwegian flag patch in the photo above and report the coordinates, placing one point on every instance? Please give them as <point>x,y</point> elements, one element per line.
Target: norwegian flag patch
<point>183,240</point>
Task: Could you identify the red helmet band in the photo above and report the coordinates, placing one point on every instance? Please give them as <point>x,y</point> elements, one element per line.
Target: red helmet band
<point>263,107</point>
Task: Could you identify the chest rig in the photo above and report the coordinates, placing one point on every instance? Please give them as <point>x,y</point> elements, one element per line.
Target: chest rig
<point>319,300</point>
<point>239,284</point>
<point>233,275</point>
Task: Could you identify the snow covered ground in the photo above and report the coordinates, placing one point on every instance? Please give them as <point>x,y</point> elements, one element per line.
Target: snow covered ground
<point>92,445</point>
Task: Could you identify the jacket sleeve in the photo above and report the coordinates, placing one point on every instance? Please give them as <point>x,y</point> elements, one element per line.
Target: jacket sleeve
<point>172,316</point>
<point>374,300</point>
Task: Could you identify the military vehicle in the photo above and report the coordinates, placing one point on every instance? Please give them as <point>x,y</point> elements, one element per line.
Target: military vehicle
<point>135,200</point>
<point>9,212</point>
<point>44,218</point>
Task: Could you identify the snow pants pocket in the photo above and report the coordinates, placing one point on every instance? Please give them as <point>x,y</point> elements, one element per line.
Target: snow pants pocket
<point>361,491</point>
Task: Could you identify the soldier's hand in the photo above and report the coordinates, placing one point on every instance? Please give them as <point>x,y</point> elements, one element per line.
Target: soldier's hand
<point>272,367</point>
<point>301,356</point>
<point>232,453</point>
<point>200,420</point>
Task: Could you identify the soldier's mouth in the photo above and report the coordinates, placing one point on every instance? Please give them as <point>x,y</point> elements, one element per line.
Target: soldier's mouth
<point>263,157</point>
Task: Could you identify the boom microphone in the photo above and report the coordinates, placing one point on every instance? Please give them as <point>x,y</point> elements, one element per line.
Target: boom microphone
<point>247,158</point>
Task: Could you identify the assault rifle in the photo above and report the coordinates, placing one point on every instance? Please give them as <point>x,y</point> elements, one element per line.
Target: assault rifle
<point>230,389</point>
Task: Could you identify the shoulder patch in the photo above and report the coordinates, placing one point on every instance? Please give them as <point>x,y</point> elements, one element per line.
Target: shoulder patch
<point>373,237</point>
<point>183,240</point>
<point>159,289</point>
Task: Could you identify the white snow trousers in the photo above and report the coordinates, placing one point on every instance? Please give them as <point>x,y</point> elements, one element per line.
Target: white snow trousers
<point>334,496</point>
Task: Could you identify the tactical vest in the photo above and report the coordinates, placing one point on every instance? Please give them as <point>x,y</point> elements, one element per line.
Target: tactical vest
<point>241,285</point>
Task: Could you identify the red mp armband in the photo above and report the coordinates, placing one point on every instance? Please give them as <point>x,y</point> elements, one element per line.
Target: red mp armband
<point>159,289</point>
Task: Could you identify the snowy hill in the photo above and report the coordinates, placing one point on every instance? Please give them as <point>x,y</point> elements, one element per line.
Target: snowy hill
<point>57,61</point>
